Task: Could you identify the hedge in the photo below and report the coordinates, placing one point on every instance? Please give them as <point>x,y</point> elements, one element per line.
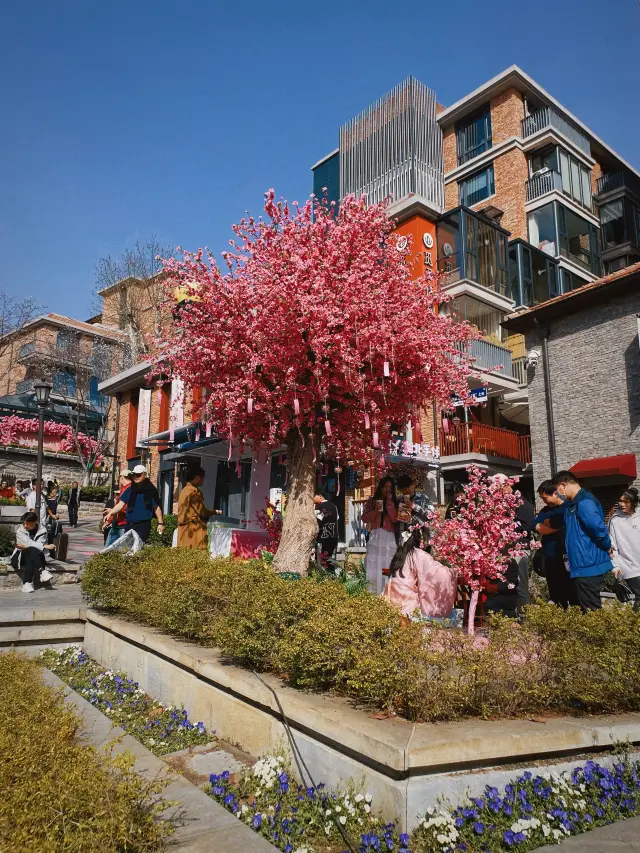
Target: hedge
<point>314,635</point>
<point>89,494</point>
<point>58,793</point>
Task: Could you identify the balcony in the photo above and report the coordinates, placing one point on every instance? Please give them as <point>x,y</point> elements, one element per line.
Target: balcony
<point>41,354</point>
<point>486,440</point>
<point>542,184</point>
<point>489,357</point>
<point>547,117</point>
<point>617,181</point>
<point>473,257</point>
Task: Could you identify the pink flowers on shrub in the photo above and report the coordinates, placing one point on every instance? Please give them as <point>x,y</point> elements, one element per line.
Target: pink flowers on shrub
<point>483,537</point>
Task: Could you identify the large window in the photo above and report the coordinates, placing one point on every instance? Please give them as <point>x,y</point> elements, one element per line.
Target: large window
<point>487,319</point>
<point>576,179</point>
<point>544,160</point>
<point>66,338</point>
<point>473,135</point>
<point>612,224</point>
<point>571,281</point>
<point>477,187</point>
<point>578,239</point>
<point>533,275</point>
<point>472,247</point>
<point>542,229</point>
<point>64,383</point>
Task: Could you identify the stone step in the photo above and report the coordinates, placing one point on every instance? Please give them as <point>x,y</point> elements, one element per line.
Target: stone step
<point>43,633</point>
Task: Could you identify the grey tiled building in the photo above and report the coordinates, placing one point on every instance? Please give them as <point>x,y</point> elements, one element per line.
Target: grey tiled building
<point>583,382</point>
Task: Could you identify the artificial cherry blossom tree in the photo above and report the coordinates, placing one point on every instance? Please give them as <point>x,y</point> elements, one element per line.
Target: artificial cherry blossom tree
<point>316,337</point>
<point>483,535</point>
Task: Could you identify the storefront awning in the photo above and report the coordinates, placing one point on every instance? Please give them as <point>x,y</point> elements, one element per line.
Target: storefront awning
<point>624,465</point>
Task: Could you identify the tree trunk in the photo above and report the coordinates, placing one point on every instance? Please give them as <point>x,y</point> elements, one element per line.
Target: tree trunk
<point>299,528</point>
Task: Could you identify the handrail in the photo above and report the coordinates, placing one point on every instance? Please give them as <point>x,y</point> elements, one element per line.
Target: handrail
<point>548,117</point>
<point>488,440</point>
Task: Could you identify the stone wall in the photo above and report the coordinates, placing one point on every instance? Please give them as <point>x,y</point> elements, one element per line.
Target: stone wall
<point>594,362</point>
<point>21,463</point>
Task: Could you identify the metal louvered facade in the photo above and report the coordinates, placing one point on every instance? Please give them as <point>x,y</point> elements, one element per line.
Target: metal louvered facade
<point>394,148</point>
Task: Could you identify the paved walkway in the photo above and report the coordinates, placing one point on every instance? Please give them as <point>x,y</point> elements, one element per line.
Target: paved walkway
<point>621,837</point>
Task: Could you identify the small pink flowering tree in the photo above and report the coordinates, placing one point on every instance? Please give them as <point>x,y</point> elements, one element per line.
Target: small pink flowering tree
<point>13,429</point>
<point>483,536</point>
<point>317,338</point>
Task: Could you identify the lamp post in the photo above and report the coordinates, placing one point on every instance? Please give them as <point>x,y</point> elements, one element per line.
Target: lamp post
<point>42,391</point>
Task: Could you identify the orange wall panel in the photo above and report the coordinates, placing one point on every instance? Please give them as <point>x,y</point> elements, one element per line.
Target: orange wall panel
<point>421,234</point>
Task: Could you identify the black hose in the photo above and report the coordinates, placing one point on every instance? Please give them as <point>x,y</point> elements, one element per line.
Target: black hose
<point>300,762</point>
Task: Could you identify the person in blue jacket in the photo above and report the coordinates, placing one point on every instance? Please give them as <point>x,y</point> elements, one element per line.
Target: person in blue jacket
<point>587,541</point>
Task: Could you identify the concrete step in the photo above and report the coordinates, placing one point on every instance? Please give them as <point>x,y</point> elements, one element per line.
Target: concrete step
<point>43,633</point>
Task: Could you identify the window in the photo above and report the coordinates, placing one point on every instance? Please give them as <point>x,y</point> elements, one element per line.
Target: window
<point>636,219</point>
<point>576,179</point>
<point>66,338</point>
<point>578,239</point>
<point>473,136</point>
<point>477,187</point>
<point>534,276</point>
<point>612,224</point>
<point>615,264</point>
<point>487,319</point>
<point>24,386</point>
<point>64,383</point>
<point>542,229</point>
<point>545,160</point>
<point>27,349</point>
<point>571,281</point>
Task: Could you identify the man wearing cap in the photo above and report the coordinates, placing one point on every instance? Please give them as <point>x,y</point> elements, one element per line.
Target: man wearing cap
<point>142,502</point>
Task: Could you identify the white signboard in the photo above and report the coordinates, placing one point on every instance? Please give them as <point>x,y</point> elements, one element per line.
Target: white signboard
<point>144,415</point>
<point>424,452</point>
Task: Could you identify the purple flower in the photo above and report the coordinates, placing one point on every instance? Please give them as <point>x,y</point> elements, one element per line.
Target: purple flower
<point>508,837</point>
<point>257,821</point>
<point>478,827</point>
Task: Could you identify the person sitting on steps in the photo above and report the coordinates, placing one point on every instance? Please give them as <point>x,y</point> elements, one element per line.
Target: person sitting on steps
<point>28,556</point>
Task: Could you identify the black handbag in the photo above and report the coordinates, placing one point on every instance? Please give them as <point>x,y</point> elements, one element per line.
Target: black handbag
<point>539,563</point>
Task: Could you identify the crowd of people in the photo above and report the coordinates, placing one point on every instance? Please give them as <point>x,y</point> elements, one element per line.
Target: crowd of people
<point>577,549</point>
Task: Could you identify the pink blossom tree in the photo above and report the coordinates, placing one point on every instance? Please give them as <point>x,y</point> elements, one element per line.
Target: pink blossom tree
<point>483,536</point>
<point>317,337</point>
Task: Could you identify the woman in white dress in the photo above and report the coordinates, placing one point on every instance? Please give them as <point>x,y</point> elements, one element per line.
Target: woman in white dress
<point>380,515</point>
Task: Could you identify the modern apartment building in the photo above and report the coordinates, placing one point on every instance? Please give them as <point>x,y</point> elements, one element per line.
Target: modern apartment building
<point>513,200</point>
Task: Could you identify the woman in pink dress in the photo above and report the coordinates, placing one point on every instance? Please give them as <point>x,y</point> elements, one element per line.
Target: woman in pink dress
<point>418,581</point>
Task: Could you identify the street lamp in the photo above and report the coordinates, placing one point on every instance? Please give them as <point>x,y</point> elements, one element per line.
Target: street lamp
<point>43,392</point>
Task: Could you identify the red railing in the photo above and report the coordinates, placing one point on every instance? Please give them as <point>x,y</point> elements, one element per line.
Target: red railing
<point>489,440</point>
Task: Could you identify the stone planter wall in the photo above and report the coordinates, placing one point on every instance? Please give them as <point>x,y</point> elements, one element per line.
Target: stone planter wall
<point>406,767</point>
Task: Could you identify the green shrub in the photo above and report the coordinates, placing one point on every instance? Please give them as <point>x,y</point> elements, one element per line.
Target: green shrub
<point>166,538</point>
<point>58,793</point>
<point>11,502</point>
<point>7,540</point>
<point>90,494</point>
<point>315,635</point>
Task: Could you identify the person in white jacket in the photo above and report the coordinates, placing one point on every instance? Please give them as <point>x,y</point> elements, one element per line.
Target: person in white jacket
<point>28,556</point>
<point>624,530</point>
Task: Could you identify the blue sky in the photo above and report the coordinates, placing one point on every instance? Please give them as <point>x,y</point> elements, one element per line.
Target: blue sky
<point>127,119</point>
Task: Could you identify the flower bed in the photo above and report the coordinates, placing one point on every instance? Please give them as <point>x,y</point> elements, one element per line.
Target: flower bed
<point>23,432</point>
<point>315,635</point>
<point>161,729</point>
<point>529,812</point>
<point>59,793</point>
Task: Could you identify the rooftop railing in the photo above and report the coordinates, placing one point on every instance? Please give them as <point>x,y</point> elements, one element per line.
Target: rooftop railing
<point>548,117</point>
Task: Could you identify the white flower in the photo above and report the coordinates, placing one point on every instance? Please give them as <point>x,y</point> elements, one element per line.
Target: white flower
<point>546,830</point>
<point>151,742</point>
<point>367,808</point>
<point>368,797</point>
<point>441,839</point>
<point>343,819</point>
<point>327,829</point>
<point>338,808</point>
<point>359,798</point>
<point>556,834</point>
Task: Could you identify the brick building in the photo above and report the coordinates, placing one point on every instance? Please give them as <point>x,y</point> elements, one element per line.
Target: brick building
<point>74,356</point>
<point>513,200</point>
<point>585,413</point>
